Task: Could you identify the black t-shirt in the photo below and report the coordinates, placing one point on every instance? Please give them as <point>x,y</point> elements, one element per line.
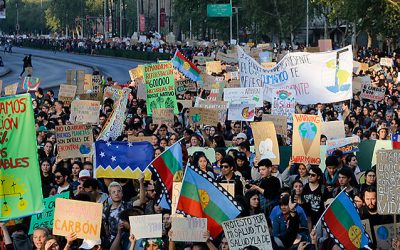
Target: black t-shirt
<point>271,186</point>
<point>314,201</point>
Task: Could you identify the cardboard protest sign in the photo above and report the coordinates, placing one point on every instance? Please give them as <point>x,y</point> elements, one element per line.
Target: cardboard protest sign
<point>30,83</point>
<point>356,67</point>
<point>97,83</point>
<point>160,86</point>
<point>113,93</point>
<point>203,116</point>
<point>359,81</point>
<point>163,116</point>
<point>316,77</point>
<point>91,97</point>
<point>84,111</point>
<point>213,67</point>
<point>81,217</point>
<point>220,105</point>
<point>216,91</point>
<point>21,193</point>
<point>347,145</point>
<point>176,191</point>
<point>284,103</point>
<point>376,67</point>
<point>266,143</point>
<point>388,186</point>
<point>74,140</point>
<point>146,226</point>
<point>324,45</point>
<point>46,217</point>
<point>372,93</point>
<point>136,72</point>
<point>186,103</point>
<point>322,156</point>
<point>11,89</point>
<point>257,232</point>
<point>133,138</point>
<point>306,138</point>
<point>206,81</point>
<point>227,58</point>
<point>188,229</point>
<point>388,62</point>
<point>67,93</point>
<point>244,96</point>
<point>182,86</point>
<point>87,83</point>
<point>233,84</point>
<point>385,234</point>
<point>202,60</point>
<point>333,129</point>
<point>279,121</point>
<point>364,67</point>
<point>241,112</point>
<point>76,77</point>
<point>266,56</point>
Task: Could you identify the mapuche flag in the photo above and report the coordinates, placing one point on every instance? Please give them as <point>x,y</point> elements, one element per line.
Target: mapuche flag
<point>343,223</point>
<point>185,66</point>
<point>202,197</point>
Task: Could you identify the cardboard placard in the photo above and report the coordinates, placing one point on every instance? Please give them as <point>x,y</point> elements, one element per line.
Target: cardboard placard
<point>132,138</point>
<point>306,138</point>
<point>244,96</point>
<point>189,229</point>
<point>146,226</point>
<point>87,83</point>
<point>388,62</point>
<point>284,103</point>
<point>233,84</point>
<point>83,111</point>
<point>388,186</point>
<point>163,116</point>
<point>81,217</point>
<point>385,234</point>
<point>372,93</point>
<point>182,86</point>
<point>266,143</point>
<point>74,140</point>
<point>359,81</point>
<point>76,77</point>
<point>280,123</point>
<point>206,81</point>
<point>333,129</point>
<point>227,58</point>
<point>67,93</point>
<point>364,67</point>
<point>176,191</point>
<point>186,103</point>
<point>46,217</point>
<point>202,60</point>
<point>213,67</point>
<point>136,72</point>
<point>91,97</point>
<point>257,232</point>
<point>347,145</point>
<point>11,89</point>
<point>96,83</point>
<point>203,116</point>
<point>241,112</point>
<point>113,93</point>
<point>216,91</point>
<point>325,45</point>
<point>376,67</point>
<point>222,107</point>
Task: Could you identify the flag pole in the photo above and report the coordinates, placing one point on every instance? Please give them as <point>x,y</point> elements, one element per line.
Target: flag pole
<point>320,218</point>
<point>164,152</point>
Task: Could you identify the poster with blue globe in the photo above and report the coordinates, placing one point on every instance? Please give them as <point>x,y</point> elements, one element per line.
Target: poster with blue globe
<point>20,183</point>
<point>306,138</point>
<point>160,86</point>
<point>74,140</point>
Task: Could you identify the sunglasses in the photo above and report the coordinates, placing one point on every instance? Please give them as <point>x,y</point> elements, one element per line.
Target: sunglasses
<point>225,166</point>
<point>312,175</point>
<point>58,177</point>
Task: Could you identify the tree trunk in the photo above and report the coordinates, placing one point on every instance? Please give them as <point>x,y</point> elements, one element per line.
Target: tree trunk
<point>278,15</point>
<point>369,44</point>
<point>354,36</point>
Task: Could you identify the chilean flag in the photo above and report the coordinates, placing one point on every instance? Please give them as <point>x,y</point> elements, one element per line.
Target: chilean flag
<point>396,140</point>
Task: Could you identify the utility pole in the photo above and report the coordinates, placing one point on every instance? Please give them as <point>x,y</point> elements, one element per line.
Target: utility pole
<point>307,26</point>
<point>17,24</point>
<point>230,24</point>
<point>120,19</point>
<point>158,16</point>
<point>104,18</point>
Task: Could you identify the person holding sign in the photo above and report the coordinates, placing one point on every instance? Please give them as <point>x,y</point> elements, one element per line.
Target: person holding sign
<point>228,176</point>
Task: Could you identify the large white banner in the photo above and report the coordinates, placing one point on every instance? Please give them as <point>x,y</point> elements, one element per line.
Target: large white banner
<point>316,77</point>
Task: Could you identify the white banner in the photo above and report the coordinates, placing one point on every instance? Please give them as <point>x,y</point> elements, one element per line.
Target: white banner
<point>317,77</point>
<point>244,96</point>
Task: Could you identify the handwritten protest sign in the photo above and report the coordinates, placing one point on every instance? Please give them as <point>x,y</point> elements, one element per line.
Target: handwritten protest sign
<point>163,116</point>
<point>80,217</point>
<point>306,138</point>
<point>372,93</point>
<point>316,77</point>
<point>182,86</point>
<point>280,123</point>
<point>87,83</point>
<point>74,140</point>
<point>67,93</point>
<point>364,67</point>
<point>213,67</point>
<point>83,111</point>
<point>202,60</point>
<point>246,231</point>
<point>96,83</point>
<point>136,72</point>
<point>347,145</point>
<point>186,103</point>
<point>91,97</point>
<point>160,86</point>
<point>114,93</point>
<point>359,81</point>
<point>284,103</point>
<point>189,229</point>
<point>388,186</point>
<point>21,193</point>
<point>241,112</point>
<point>46,217</point>
<point>244,96</point>
<point>266,143</point>
<point>388,62</point>
<point>385,234</point>
<point>76,77</point>
<point>376,67</point>
<point>11,89</point>
<point>220,105</point>
<point>146,226</point>
<point>216,91</point>
<point>228,58</point>
<point>203,116</point>
<point>333,129</point>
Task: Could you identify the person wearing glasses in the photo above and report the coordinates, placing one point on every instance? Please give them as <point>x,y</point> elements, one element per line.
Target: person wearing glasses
<point>61,176</point>
<point>228,175</point>
<point>370,180</point>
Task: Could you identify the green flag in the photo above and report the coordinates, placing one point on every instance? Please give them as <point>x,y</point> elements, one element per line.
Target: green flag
<point>160,86</point>
<point>20,183</point>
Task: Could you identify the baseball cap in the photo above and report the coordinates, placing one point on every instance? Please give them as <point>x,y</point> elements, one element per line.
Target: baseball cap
<point>42,129</point>
<point>242,136</point>
<point>89,244</point>
<point>84,174</point>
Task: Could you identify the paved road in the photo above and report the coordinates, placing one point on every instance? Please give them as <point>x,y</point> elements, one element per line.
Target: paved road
<point>51,68</point>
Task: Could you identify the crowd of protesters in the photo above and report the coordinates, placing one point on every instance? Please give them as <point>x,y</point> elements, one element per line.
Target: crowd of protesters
<point>292,200</point>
